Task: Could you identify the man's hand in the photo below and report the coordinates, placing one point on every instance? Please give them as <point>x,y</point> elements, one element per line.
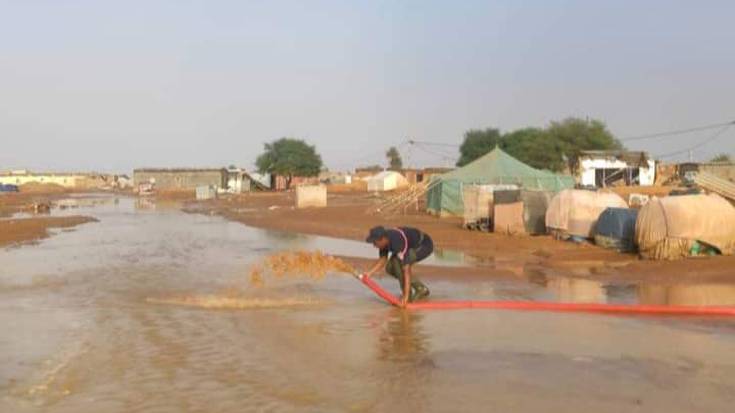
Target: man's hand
<point>378,265</point>
<point>404,300</point>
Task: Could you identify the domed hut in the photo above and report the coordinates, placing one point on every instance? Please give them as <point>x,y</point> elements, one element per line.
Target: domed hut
<point>675,227</point>
<point>574,212</point>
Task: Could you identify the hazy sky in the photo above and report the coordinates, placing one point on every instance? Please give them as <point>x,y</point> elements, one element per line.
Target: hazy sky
<point>110,86</point>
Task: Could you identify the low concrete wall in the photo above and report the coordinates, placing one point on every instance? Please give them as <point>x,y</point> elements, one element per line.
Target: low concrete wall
<point>67,181</point>
<point>311,196</point>
<point>181,178</point>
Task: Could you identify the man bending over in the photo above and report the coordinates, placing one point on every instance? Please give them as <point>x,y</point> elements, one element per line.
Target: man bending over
<point>401,248</point>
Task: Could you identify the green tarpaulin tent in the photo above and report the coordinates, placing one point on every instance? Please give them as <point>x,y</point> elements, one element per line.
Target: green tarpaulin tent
<point>495,168</point>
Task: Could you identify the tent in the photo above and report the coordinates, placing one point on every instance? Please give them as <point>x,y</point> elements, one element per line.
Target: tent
<point>574,212</point>
<point>444,196</point>
<point>386,181</point>
<point>679,226</point>
<point>615,229</point>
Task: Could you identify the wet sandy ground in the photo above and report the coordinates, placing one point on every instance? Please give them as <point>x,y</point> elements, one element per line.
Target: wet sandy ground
<point>27,230</point>
<point>100,319</point>
<point>349,216</point>
<point>20,225</point>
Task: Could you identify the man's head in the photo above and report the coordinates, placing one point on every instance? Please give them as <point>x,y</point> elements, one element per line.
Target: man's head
<point>378,236</point>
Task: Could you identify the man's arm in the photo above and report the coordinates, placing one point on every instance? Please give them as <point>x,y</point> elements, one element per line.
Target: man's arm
<point>378,265</point>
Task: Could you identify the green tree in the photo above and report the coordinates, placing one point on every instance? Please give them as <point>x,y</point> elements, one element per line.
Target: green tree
<point>723,157</point>
<point>476,144</point>
<point>572,135</point>
<point>289,157</point>
<point>533,147</point>
<point>395,162</point>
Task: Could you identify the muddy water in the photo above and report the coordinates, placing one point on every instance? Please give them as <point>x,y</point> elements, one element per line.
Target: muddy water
<point>101,319</point>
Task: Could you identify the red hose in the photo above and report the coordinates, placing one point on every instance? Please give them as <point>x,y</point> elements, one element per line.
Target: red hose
<point>552,306</point>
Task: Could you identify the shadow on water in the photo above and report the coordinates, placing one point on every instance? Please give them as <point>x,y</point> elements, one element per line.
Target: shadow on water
<point>402,339</point>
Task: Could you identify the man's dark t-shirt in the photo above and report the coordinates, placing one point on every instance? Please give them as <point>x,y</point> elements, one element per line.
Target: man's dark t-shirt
<point>397,243</point>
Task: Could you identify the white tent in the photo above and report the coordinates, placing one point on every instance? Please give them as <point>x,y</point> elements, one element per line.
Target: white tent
<point>386,181</point>
<point>575,211</point>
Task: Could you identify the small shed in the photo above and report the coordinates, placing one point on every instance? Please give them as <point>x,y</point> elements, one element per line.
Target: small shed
<point>238,181</point>
<point>386,181</point>
<point>478,204</point>
<point>508,218</point>
<point>614,167</point>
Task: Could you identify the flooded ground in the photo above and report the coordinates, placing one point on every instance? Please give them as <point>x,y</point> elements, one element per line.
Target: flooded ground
<point>152,310</point>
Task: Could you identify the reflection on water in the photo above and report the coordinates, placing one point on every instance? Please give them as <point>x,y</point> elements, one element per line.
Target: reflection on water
<point>583,290</point>
<point>71,205</point>
<point>461,258</point>
<point>695,294</point>
<point>144,203</point>
<point>152,310</point>
<point>86,202</point>
<point>401,338</point>
<point>404,347</point>
<point>577,290</point>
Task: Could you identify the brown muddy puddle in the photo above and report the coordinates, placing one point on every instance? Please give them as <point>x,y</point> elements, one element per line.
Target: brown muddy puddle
<point>153,310</point>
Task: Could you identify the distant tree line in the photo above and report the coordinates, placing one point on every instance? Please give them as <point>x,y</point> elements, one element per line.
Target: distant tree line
<point>553,148</point>
<point>723,157</point>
